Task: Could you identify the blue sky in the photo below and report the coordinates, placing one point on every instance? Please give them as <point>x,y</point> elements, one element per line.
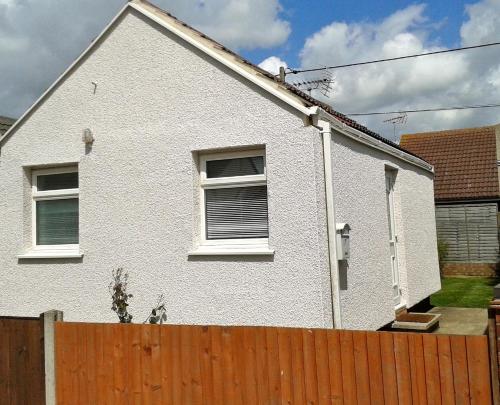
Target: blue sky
<point>445,15</point>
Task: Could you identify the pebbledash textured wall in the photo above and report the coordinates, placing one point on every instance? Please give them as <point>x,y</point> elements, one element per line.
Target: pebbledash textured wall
<point>366,280</point>
<point>157,103</point>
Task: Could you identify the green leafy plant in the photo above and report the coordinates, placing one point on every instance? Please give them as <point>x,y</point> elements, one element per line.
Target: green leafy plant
<point>158,313</point>
<point>119,295</point>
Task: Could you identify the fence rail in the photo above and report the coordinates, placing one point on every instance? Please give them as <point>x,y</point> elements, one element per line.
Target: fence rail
<point>22,378</point>
<point>149,364</point>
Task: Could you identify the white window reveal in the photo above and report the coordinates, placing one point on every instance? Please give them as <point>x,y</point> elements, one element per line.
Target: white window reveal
<point>55,211</point>
<point>234,204</point>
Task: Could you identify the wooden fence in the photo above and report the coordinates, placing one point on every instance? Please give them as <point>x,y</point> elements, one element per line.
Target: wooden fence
<point>22,380</point>
<point>148,364</point>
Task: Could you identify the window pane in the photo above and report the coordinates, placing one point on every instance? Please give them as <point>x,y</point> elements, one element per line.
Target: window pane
<point>235,167</point>
<point>59,181</point>
<point>236,213</point>
<point>57,222</point>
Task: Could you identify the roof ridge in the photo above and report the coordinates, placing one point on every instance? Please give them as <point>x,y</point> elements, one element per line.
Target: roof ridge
<point>450,131</point>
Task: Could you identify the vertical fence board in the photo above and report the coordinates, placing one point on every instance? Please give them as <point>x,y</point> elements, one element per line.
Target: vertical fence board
<point>460,370</point>
<point>402,358</point>
<point>140,364</point>
<point>361,368</point>
<point>348,367</point>
<point>298,377</point>
<point>185,344</point>
<point>261,366</point>
<point>431,361</point>
<point>227,361</point>
<point>445,370</point>
<point>322,366</point>
<point>119,383</point>
<point>273,361</point>
<point>479,370</point>
<point>176,365</point>
<point>417,366</point>
<point>285,361</point>
<point>335,366</point>
<point>195,365</point>
<point>310,368</point>
<point>249,366</point>
<point>217,365</point>
<point>156,380</point>
<point>389,368</point>
<point>375,368</point>
<point>135,359</point>
<point>206,366</point>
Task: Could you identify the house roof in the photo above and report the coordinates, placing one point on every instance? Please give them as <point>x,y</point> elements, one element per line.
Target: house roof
<point>465,161</point>
<point>284,91</point>
<point>5,124</point>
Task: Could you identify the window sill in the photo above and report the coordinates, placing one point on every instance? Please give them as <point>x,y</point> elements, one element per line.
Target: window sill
<point>231,251</point>
<point>51,254</point>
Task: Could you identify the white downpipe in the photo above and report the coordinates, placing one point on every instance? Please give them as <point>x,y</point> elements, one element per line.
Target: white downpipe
<point>326,133</point>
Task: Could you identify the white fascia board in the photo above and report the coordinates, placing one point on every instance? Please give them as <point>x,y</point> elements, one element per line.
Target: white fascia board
<point>62,76</point>
<point>359,136</point>
<point>259,81</point>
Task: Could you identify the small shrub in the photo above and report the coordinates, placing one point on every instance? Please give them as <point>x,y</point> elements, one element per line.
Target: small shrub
<point>119,296</point>
<point>158,313</point>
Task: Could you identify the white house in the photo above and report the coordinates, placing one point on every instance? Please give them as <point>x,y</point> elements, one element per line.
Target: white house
<point>212,182</point>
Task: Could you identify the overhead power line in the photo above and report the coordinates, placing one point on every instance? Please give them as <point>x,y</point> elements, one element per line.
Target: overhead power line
<point>465,48</point>
<point>465,107</point>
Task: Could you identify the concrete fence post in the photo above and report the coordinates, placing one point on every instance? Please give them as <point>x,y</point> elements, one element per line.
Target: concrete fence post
<point>49,318</point>
<point>494,336</point>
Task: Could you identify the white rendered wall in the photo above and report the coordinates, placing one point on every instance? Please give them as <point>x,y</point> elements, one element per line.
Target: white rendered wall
<point>359,185</point>
<point>157,101</point>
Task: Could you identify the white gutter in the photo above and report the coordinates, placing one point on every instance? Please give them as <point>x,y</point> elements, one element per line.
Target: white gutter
<point>326,133</point>
<point>369,140</point>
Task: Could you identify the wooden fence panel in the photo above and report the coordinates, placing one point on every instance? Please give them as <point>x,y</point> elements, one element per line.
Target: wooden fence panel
<point>151,364</point>
<point>22,379</point>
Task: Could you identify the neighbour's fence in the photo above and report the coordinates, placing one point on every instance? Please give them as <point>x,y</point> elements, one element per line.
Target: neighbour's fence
<point>151,364</point>
<point>22,378</point>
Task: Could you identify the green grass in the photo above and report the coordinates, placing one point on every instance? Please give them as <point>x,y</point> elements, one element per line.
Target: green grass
<point>467,292</point>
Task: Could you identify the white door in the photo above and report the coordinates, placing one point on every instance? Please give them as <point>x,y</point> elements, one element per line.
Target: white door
<point>393,239</point>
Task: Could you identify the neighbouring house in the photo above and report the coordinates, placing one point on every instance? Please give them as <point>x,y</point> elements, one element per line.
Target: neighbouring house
<point>208,180</point>
<point>467,194</point>
<point>5,124</point>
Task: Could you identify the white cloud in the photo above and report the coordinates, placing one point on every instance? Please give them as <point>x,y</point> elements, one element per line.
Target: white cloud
<point>39,39</point>
<point>272,64</point>
<point>471,77</point>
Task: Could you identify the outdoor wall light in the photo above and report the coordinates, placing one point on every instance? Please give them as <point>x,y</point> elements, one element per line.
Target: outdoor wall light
<point>88,137</point>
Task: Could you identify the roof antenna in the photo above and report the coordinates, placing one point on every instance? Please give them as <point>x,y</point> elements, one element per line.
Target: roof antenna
<point>324,84</point>
<point>397,120</point>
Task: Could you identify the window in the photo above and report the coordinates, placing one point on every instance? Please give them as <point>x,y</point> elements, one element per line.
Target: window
<point>234,199</point>
<point>55,210</point>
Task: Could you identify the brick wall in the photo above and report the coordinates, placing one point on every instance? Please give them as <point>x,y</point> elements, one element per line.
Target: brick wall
<point>469,269</point>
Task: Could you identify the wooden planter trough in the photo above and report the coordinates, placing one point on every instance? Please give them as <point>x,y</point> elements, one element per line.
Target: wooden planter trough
<point>416,321</point>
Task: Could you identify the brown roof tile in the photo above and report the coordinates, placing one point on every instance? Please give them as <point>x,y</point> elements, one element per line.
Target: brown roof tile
<point>465,161</point>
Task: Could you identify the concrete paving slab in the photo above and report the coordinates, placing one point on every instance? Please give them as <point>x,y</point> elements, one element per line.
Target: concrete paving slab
<point>461,321</point>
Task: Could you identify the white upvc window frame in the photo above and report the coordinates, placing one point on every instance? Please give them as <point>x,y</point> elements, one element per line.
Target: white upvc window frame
<point>50,251</point>
<point>229,246</point>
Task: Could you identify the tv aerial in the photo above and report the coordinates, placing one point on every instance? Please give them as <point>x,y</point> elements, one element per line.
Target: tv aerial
<point>397,120</point>
<point>323,84</point>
